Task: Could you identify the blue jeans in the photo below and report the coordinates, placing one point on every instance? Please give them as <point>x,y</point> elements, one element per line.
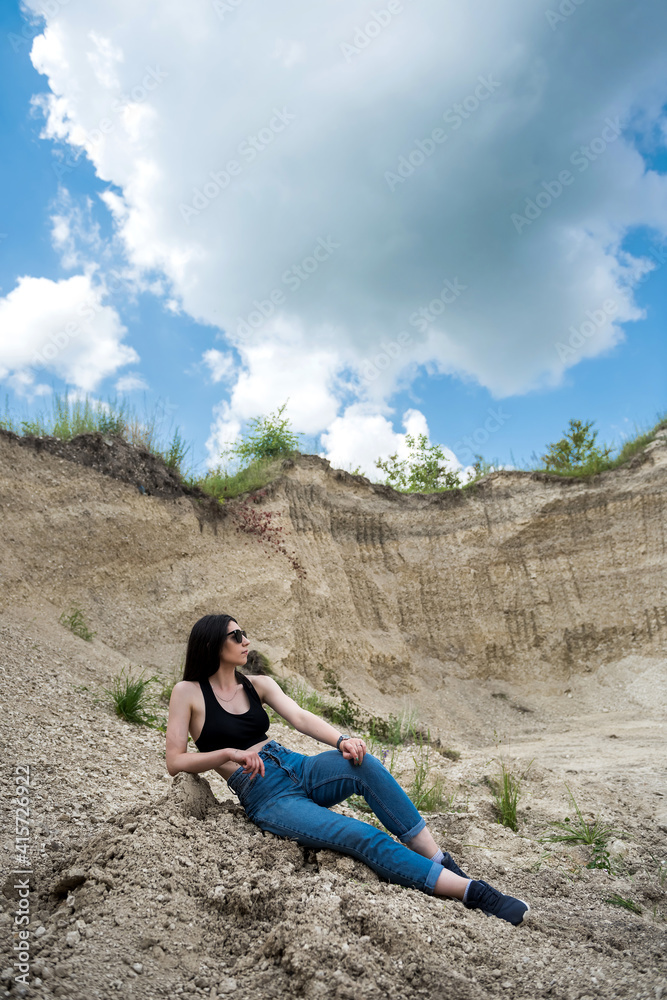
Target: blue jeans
<point>292,799</point>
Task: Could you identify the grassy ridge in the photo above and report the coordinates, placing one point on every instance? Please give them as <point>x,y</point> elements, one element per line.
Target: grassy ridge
<point>68,417</point>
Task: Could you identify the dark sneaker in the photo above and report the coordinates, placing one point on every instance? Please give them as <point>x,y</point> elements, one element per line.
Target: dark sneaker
<point>451,865</point>
<point>482,896</point>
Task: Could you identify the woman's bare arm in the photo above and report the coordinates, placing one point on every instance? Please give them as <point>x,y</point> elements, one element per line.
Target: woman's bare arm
<point>306,722</point>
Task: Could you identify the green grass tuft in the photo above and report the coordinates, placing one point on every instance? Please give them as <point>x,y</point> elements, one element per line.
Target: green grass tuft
<point>626,904</point>
<point>76,623</point>
<point>506,789</point>
<point>427,795</point>
<point>70,416</point>
<point>595,834</point>
<point>395,730</point>
<point>222,485</point>
<point>131,701</point>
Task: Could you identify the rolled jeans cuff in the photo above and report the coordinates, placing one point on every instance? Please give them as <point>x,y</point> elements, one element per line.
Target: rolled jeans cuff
<point>417,828</point>
<point>432,877</point>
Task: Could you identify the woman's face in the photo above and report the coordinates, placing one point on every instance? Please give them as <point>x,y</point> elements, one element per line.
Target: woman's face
<point>233,652</point>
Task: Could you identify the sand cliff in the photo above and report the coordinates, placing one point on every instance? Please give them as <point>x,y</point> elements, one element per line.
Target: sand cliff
<point>525,617</point>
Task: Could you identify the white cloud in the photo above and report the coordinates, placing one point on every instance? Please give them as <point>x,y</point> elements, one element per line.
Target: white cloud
<point>131,382</point>
<point>359,437</point>
<point>23,383</point>
<point>61,327</point>
<point>224,432</point>
<point>75,234</point>
<point>295,158</point>
<point>281,365</point>
<point>104,58</point>
<point>220,365</point>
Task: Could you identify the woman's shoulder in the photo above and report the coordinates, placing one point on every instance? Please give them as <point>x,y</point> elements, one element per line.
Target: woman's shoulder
<point>185,691</point>
<point>260,682</point>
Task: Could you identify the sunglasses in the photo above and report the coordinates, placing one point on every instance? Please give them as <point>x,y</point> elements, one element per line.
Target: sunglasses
<point>237,634</point>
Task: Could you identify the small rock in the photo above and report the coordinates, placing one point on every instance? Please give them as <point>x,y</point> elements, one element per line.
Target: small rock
<point>227,985</point>
<point>40,931</point>
<point>72,938</point>
<point>68,880</point>
<point>138,967</point>
<point>100,875</point>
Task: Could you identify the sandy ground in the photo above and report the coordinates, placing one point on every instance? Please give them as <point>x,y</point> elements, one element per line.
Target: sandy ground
<point>147,886</point>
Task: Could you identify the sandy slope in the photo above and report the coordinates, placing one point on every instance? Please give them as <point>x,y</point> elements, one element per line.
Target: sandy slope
<point>168,876</point>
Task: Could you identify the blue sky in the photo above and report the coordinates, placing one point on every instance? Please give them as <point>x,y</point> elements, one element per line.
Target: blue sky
<point>181,174</point>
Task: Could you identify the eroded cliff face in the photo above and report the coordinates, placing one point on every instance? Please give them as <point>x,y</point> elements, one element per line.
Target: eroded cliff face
<point>523,619</point>
<point>521,577</point>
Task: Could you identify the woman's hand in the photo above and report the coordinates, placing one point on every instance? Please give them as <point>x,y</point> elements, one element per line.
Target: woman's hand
<point>251,761</point>
<point>354,749</point>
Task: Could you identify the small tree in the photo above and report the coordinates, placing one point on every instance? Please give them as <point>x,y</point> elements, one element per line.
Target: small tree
<point>268,437</point>
<point>423,471</point>
<point>577,451</point>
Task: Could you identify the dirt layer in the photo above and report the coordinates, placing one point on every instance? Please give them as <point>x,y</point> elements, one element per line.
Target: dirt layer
<point>146,886</point>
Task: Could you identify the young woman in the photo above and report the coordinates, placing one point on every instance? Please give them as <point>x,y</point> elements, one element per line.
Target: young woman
<point>288,793</point>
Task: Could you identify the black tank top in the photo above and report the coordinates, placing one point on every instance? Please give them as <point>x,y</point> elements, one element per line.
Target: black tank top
<point>223,729</point>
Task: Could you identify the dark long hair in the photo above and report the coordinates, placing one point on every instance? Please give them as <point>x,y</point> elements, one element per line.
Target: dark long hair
<point>204,644</point>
